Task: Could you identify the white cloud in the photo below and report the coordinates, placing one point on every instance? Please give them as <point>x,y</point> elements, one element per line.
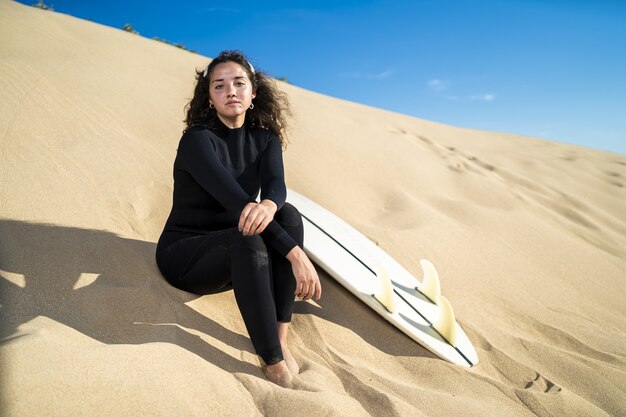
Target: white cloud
<point>437,85</point>
<point>384,74</point>
<point>482,97</point>
<point>475,97</point>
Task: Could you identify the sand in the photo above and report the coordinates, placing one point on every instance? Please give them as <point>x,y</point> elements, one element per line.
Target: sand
<point>528,235</point>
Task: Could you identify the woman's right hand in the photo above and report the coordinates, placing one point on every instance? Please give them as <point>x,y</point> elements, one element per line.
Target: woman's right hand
<point>307,281</point>
<point>255,217</point>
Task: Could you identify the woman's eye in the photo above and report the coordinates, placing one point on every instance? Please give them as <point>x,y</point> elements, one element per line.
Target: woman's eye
<point>240,83</point>
<point>218,86</point>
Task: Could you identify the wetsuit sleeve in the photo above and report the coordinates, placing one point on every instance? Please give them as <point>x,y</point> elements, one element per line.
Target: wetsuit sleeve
<point>200,160</point>
<point>273,173</point>
<point>273,188</point>
<point>278,238</point>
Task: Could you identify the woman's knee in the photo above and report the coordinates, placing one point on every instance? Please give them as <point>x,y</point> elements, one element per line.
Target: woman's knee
<point>250,248</point>
<point>288,215</point>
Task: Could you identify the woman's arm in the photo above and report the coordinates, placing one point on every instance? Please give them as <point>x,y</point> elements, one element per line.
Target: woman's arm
<point>273,173</point>
<point>201,161</point>
<point>199,158</point>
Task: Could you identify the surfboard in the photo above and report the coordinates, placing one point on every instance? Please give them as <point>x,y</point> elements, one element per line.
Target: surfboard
<point>415,307</point>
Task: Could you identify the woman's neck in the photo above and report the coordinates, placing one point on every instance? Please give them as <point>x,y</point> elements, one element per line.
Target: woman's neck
<point>234,123</point>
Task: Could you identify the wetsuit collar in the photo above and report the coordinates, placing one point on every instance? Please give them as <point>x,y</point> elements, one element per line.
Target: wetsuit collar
<point>223,131</point>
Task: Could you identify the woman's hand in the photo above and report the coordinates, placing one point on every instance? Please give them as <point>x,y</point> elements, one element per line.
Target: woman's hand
<point>256,216</point>
<point>307,281</point>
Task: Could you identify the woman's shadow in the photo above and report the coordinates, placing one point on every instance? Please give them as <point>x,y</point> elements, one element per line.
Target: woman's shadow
<point>104,286</point>
<point>109,288</point>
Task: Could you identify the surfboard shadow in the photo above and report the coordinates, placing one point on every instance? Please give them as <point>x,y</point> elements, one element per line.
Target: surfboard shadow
<point>340,306</point>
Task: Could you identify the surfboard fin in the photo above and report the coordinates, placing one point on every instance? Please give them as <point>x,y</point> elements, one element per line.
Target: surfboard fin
<point>446,325</point>
<point>384,295</point>
<point>430,285</point>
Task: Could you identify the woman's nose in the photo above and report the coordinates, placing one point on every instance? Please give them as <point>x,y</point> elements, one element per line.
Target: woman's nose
<point>231,91</point>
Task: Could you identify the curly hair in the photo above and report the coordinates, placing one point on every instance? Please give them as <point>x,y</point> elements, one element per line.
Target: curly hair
<point>271,106</point>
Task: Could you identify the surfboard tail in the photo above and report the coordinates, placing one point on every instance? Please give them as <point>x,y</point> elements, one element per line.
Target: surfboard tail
<point>446,325</point>
<point>430,285</point>
<point>384,295</point>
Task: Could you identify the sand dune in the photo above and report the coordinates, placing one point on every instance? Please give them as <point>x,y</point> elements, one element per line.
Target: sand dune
<point>529,237</point>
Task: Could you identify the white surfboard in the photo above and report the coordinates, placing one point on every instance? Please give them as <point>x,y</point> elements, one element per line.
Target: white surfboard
<point>367,271</point>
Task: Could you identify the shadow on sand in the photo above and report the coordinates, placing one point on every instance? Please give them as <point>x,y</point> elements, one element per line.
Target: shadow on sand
<point>121,297</point>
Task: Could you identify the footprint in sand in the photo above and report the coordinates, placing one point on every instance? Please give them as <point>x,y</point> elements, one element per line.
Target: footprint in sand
<point>423,139</point>
<point>456,159</point>
<point>471,163</point>
<point>482,164</point>
<point>397,130</point>
<point>614,178</point>
<point>511,372</point>
<point>542,384</point>
<point>570,157</point>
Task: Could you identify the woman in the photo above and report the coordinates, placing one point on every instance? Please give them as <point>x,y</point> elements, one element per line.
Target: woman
<point>217,236</point>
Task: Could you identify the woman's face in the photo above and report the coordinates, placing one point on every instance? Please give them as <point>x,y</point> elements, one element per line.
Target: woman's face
<point>230,91</point>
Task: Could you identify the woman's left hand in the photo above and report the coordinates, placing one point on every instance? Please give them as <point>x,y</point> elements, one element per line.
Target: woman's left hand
<point>256,216</point>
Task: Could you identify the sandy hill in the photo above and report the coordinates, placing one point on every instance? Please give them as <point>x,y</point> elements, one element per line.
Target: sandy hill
<point>529,237</point>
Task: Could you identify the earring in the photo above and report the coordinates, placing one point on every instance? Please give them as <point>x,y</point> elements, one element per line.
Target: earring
<point>211,106</point>
<point>251,106</point>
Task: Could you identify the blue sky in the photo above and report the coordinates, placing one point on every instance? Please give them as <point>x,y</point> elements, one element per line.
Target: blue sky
<point>548,69</point>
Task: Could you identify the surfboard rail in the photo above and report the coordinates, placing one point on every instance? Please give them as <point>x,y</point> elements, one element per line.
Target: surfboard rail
<point>421,312</point>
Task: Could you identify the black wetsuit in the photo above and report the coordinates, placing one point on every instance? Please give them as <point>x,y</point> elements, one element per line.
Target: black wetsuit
<point>217,172</point>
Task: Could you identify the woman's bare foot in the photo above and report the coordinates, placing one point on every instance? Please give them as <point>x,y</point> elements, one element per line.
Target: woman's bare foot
<point>278,373</point>
<point>291,362</point>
